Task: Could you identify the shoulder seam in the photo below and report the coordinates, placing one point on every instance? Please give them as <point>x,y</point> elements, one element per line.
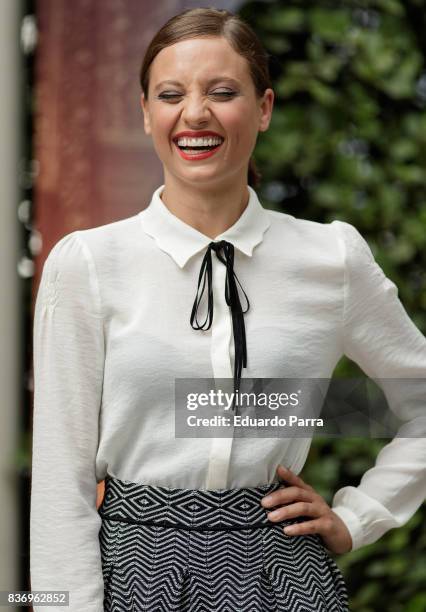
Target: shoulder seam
<point>94,282</point>
<point>343,250</point>
<point>93,275</point>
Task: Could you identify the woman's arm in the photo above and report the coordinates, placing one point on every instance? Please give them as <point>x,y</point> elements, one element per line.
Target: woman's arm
<point>381,338</point>
<point>68,374</point>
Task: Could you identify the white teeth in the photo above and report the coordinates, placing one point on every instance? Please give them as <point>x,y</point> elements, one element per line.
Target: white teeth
<point>199,142</point>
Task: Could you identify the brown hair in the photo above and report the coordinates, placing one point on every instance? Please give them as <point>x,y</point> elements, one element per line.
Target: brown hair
<point>200,22</point>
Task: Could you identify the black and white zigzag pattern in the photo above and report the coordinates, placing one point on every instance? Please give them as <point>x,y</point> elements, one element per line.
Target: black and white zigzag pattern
<point>168,550</point>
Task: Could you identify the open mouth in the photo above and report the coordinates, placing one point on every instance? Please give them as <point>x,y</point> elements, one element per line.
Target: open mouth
<point>197,146</point>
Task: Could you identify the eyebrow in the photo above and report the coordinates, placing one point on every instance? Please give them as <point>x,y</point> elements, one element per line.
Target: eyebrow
<point>209,82</point>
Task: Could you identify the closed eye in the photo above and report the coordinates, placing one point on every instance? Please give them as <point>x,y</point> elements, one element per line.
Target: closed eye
<point>173,96</point>
<point>228,94</point>
<point>168,96</point>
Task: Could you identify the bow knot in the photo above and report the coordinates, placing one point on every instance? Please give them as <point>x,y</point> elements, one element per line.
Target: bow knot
<point>232,299</point>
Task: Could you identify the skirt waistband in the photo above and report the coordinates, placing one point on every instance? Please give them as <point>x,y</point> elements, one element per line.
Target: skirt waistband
<point>190,509</point>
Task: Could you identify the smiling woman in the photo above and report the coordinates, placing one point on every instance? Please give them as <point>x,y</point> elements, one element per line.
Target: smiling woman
<point>205,97</point>
<point>184,524</point>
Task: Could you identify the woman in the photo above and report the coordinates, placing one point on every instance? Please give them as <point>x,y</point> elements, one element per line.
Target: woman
<point>187,523</point>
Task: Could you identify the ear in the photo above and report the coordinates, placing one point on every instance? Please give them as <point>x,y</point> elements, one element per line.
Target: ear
<point>145,109</point>
<point>265,109</point>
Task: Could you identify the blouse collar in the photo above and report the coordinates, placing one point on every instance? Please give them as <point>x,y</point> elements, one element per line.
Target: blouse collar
<point>181,241</point>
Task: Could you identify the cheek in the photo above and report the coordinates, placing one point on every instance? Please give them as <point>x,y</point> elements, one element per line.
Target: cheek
<point>162,124</point>
<point>235,123</point>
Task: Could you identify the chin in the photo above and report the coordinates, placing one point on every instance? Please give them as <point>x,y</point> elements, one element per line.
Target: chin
<point>201,175</point>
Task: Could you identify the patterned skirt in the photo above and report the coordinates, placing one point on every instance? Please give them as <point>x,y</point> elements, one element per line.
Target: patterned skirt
<point>194,550</point>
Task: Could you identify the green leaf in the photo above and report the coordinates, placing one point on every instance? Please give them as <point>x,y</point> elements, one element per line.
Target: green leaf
<point>283,20</point>
<point>331,24</point>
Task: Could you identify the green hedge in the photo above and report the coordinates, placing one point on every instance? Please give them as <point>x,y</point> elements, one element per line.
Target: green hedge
<point>348,141</point>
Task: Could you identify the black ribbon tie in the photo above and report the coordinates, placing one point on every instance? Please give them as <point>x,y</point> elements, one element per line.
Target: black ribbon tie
<point>232,299</point>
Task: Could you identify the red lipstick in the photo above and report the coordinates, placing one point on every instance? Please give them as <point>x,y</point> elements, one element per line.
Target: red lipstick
<point>197,134</point>
<point>191,154</point>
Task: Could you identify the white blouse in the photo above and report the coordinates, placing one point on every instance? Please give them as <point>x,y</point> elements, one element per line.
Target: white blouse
<point>112,332</point>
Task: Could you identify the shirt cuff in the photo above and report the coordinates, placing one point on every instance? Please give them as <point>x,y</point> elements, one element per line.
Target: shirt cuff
<point>353,524</point>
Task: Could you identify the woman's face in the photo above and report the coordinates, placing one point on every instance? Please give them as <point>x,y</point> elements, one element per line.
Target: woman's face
<point>208,88</point>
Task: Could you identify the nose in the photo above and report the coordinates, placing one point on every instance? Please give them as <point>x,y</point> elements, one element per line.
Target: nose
<point>195,110</point>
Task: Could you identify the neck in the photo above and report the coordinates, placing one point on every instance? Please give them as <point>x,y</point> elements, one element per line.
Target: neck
<point>210,210</point>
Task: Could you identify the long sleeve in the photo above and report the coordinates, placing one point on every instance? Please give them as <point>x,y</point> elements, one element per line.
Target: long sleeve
<point>68,361</point>
<point>381,338</point>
